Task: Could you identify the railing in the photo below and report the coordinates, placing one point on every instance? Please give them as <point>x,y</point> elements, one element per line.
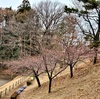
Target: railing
<point>4,89</point>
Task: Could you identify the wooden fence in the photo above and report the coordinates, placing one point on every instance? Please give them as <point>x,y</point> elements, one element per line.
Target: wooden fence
<point>4,89</point>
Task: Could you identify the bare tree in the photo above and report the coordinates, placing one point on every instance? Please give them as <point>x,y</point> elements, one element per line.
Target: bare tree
<point>50,14</point>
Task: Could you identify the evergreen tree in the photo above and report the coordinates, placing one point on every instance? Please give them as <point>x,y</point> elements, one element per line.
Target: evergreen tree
<point>25,6</point>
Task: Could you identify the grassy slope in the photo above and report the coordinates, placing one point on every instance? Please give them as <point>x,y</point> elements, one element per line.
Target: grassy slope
<point>84,85</point>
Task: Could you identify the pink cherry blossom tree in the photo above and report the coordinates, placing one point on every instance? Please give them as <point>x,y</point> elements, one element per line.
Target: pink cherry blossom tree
<point>28,66</point>
<point>50,59</point>
<point>73,44</point>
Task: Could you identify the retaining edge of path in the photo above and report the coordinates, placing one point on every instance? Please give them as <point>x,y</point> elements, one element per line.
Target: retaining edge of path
<point>6,88</point>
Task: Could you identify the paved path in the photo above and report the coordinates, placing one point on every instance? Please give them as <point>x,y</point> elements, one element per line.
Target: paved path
<point>3,81</point>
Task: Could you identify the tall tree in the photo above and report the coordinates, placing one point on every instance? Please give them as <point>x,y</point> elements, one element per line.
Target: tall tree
<point>5,40</point>
<point>19,37</point>
<point>50,14</point>
<point>90,14</point>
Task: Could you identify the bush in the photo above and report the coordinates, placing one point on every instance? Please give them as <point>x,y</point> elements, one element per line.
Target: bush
<point>29,82</point>
<point>14,95</point>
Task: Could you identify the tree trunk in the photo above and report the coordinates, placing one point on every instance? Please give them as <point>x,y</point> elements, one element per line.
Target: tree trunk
<point>95,60</point>
<point>97,39</point>
<point>71,70</point>
<point>95,56</point>
<point>38,81</point>
<point>50,83</point>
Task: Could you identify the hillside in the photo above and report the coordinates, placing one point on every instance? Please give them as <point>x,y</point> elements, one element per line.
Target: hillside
<point>84,85</point>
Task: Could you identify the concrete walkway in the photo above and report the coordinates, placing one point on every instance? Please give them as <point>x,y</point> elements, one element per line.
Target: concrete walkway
<point>3,81</point>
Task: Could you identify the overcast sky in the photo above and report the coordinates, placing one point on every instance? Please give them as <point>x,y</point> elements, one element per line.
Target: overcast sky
<point>15,3</point>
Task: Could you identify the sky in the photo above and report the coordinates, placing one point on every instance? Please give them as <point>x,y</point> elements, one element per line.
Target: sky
<point>15,3</point>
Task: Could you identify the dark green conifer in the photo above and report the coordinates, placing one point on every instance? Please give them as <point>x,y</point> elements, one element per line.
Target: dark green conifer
<point>25,6</point>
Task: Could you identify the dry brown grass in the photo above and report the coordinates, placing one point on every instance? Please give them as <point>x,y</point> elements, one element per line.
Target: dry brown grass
<point>84,85</point>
